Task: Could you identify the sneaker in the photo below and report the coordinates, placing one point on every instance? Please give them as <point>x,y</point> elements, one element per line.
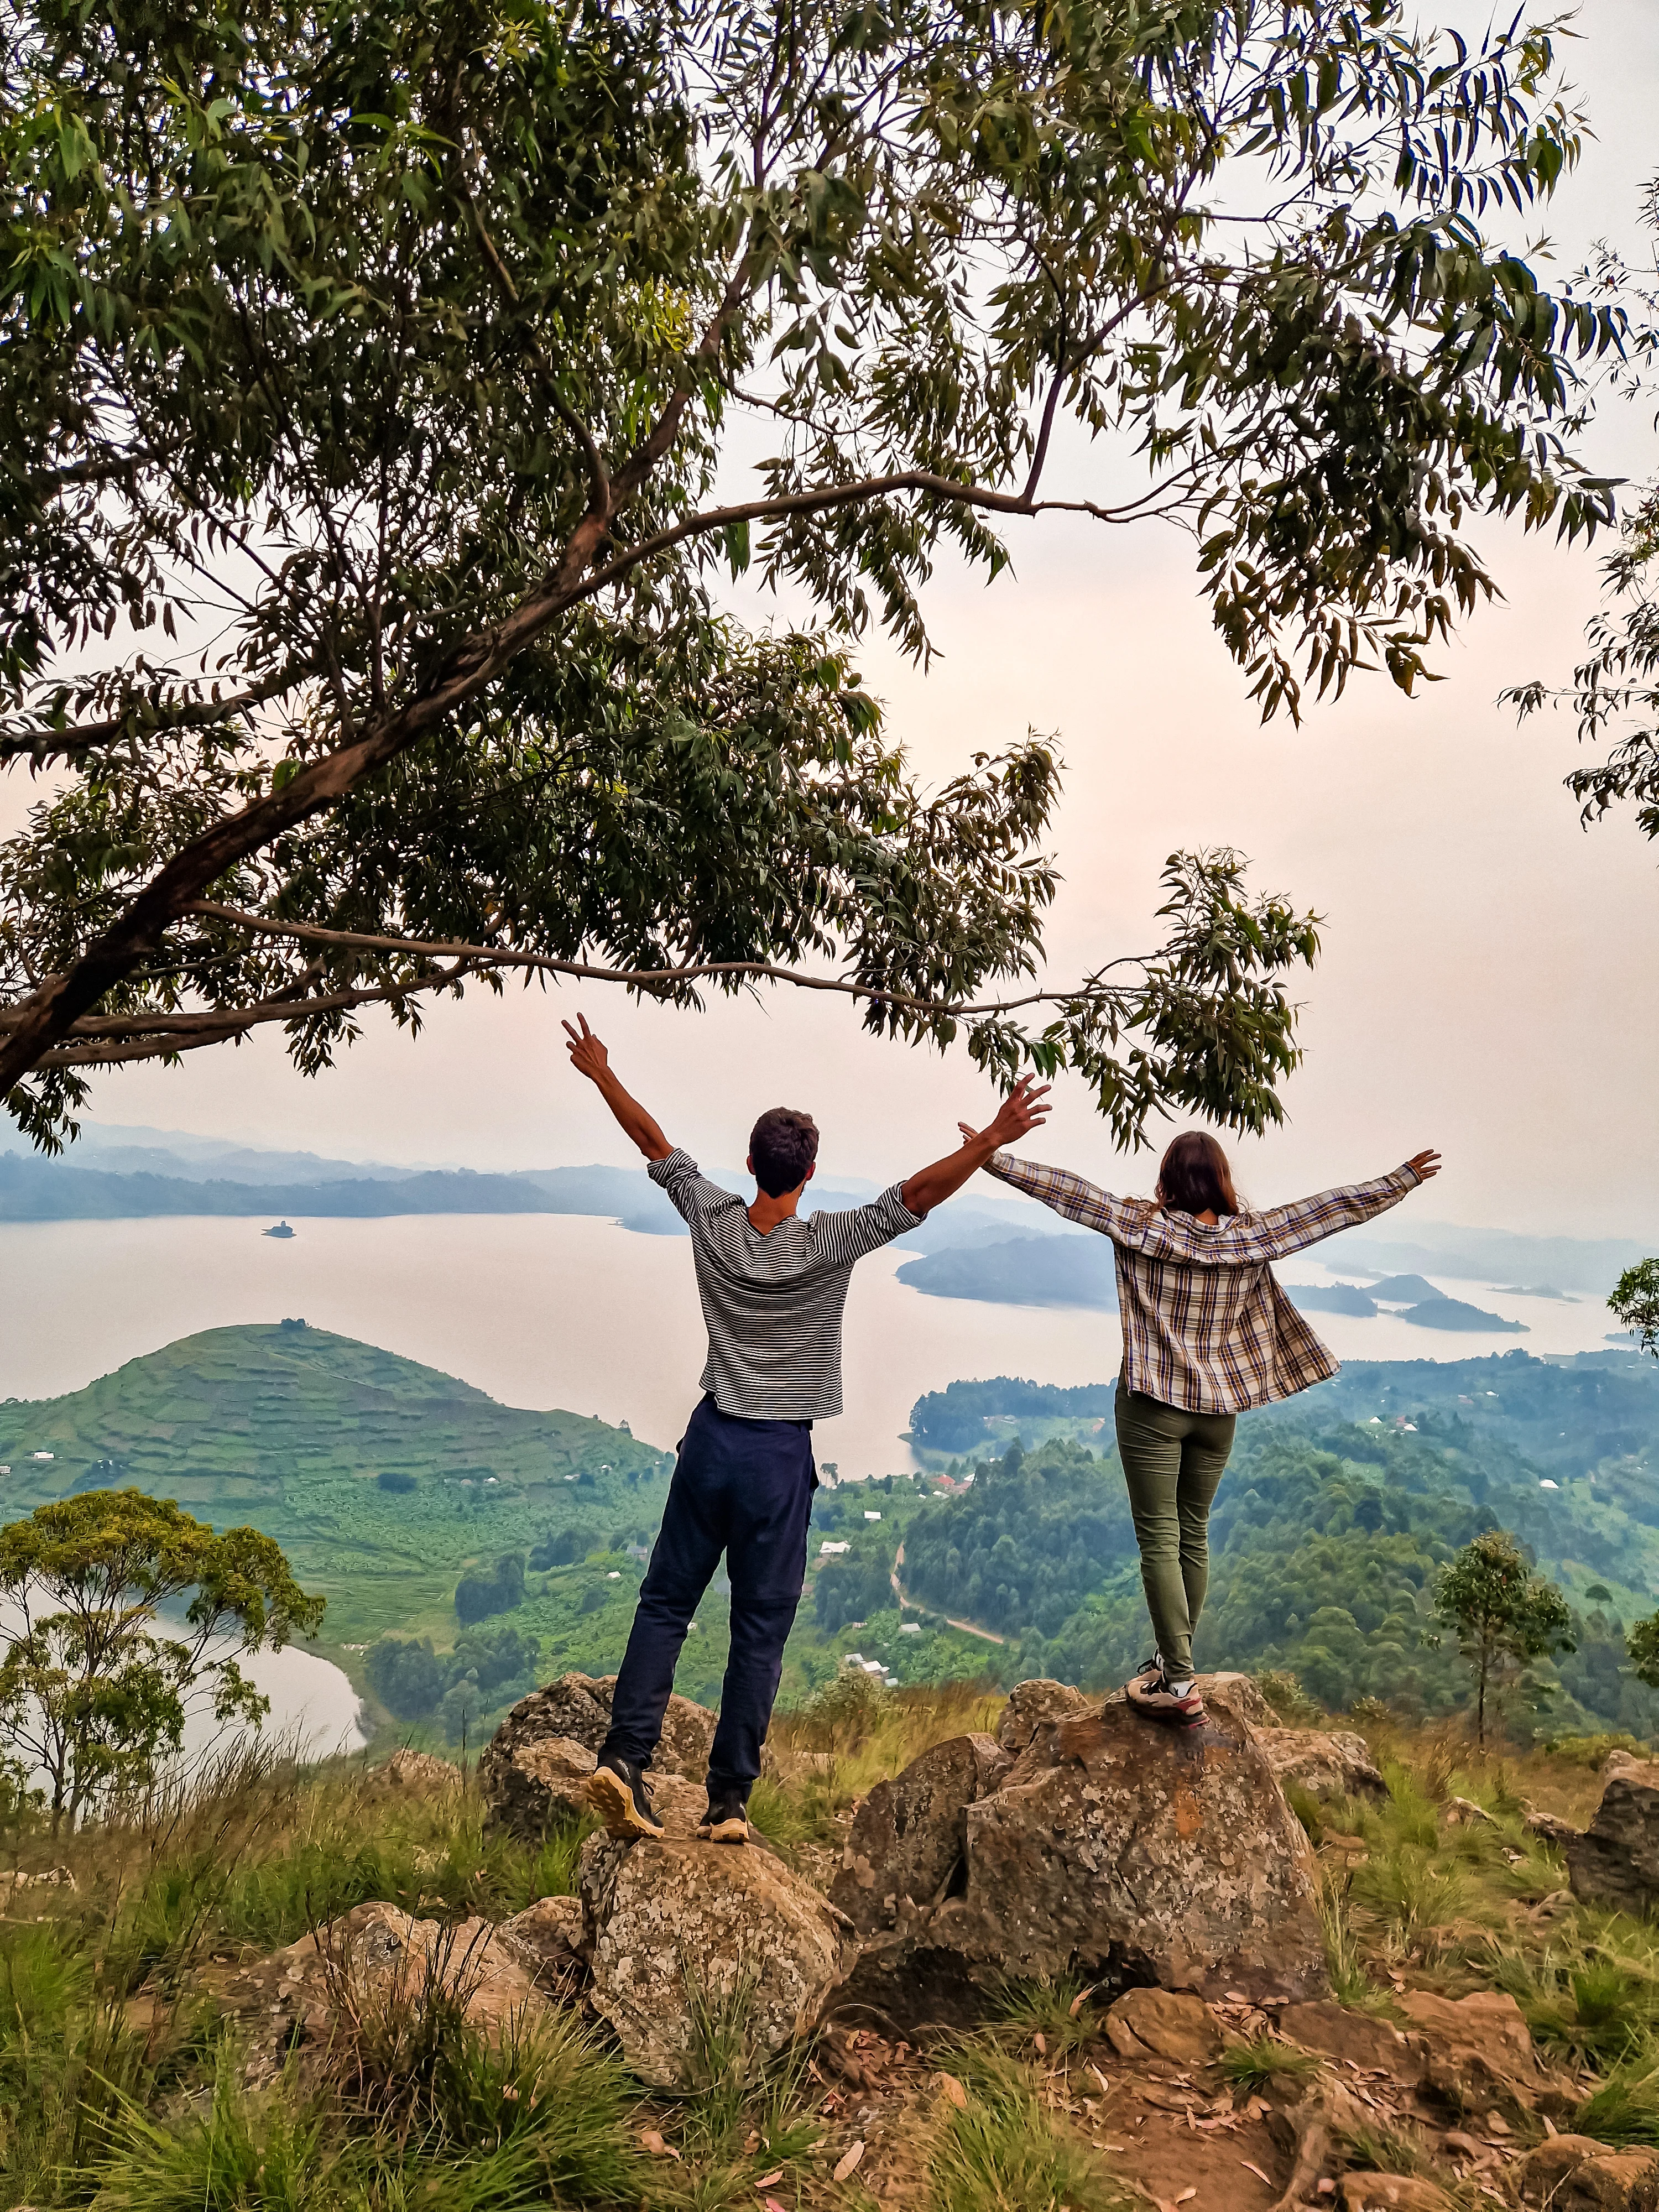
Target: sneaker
<point>1150,1693</point>
<point>1149,1675</point>
<point>616,1790</point>
<point>726,1820</point>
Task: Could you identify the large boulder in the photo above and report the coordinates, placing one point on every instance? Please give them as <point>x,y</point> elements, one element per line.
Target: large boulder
<point>375,1962</point>
<point>1615,1862</point>
<point>535,1766</point>
<point>1574,2173</point>
<point>1325,1762</point>
<point>1118,1850</point>
<point>910,1834</point>
<point>676,1926</point>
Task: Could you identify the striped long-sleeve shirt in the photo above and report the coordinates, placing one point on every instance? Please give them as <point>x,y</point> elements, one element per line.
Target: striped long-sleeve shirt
<point>1206,1327</point>
<point>773,1305</point>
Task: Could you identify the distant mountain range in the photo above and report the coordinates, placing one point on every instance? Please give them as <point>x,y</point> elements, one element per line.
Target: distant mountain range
<point>119,1174</point>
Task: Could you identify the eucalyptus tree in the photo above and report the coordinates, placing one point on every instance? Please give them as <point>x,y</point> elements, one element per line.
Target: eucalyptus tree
<point>387,388</point>
<point>1614,692</point>
<point>96,1684</point>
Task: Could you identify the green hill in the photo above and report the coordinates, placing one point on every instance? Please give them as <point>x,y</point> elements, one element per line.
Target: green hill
<point>292,1428</point>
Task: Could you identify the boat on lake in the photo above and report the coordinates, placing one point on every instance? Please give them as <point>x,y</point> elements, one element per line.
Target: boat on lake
<point>280,1230</point>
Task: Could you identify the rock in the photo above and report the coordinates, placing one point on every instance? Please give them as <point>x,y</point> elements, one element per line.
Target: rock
<point>419,1772</point>
<point>1031,1705</point>
<point>1573,2173</point>
<point>1479,2053</point>
<point>546,1940</point>
<point>1165,2024</point>
<point>533,1768</point>
<point>1123,1852</point>
<point>676,1923</point>
<point>1325,1763</point>
<point>1548,1828</point>
<point>1351,2038</point>
<point>384,1961</point>
<point>908,1837</point>
<point>1390,2192</point>
<point>1615,1862</point>
<point>1464,1813</point>
<point>1243,1697</point>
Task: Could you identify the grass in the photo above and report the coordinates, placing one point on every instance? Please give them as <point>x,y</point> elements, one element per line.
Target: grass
<point>1262,2062</point>
<point>1003,2151</point>
<point>1053,2018</point>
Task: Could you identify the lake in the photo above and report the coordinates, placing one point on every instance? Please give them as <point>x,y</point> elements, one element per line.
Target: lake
<point>570,1311</point>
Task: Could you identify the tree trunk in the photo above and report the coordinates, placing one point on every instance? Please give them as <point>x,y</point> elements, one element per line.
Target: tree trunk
<point>1480,1704</point>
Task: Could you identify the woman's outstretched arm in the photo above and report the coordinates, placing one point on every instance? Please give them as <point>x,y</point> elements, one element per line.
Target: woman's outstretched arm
<point>1245,1241</point>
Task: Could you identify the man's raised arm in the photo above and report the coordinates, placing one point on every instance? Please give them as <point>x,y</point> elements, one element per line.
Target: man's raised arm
<point>1020,1111</point>
<point>589,1058</point>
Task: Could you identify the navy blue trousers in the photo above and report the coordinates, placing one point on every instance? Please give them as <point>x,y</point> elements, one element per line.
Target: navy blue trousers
<point>743,1488</point>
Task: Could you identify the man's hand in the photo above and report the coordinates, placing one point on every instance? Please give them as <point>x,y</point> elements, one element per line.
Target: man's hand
<point>589,1058</point>
<point>587,1055</point>
<point>1424,1165</point>
<point>1022,1110</point>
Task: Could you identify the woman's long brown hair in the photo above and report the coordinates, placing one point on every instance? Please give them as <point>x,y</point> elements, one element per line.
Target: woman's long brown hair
<point>1193,1177</point>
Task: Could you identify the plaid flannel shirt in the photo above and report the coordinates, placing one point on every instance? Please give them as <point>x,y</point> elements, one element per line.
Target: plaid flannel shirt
<point>1206,1327</point>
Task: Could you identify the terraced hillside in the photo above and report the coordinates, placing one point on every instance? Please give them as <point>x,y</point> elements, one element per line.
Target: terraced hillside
<point>382,1479</point>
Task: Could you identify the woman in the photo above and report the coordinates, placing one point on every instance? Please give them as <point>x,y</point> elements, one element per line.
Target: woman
<point>1206,1334</point>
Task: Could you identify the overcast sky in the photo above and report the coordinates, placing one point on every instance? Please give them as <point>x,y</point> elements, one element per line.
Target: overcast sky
<point>1488,984</point>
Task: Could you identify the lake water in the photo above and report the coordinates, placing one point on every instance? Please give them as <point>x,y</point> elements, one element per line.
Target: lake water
<point>570,1310</point>
<point>314,1710</point>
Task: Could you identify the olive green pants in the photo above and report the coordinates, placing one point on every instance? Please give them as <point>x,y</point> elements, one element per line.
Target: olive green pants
<point>1173,1463</point>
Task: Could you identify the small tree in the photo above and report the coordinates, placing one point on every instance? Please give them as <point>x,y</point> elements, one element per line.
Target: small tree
<point>1643,1644</point>
<point>1635,1301</point>
<point>1501,1613</point>
<point>91,1693</point>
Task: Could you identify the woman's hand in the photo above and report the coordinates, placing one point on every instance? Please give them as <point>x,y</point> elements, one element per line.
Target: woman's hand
<point>1425,1165</point>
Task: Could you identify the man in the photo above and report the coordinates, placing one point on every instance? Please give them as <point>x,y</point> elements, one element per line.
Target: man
<point>773,1288</point>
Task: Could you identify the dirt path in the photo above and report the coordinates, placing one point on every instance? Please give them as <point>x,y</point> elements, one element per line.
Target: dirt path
<point>967,1627</point>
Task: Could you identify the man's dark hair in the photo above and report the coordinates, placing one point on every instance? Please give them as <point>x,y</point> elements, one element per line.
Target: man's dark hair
<point>782,1145</point>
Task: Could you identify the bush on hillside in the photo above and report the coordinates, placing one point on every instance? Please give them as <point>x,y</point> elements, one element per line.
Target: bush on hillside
<point>479,1596</point>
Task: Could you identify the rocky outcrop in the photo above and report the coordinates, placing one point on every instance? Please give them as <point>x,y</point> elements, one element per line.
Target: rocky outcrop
<point>1325,1763</point>
<point>910,1835</point>
<point>1615,1862</point>
<point>374,1961</point>
<point>533,1769</point>
<point>677,1926</point>
<point>1572,2173</point>
<point>1118,1850</point>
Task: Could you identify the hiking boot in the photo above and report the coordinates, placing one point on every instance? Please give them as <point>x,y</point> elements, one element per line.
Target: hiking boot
<point>616,1790</point>
<point>726,1820</point>
<point>1150,1694</point>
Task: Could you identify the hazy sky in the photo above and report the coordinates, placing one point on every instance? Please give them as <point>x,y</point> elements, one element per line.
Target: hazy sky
<point>1488,984</point>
